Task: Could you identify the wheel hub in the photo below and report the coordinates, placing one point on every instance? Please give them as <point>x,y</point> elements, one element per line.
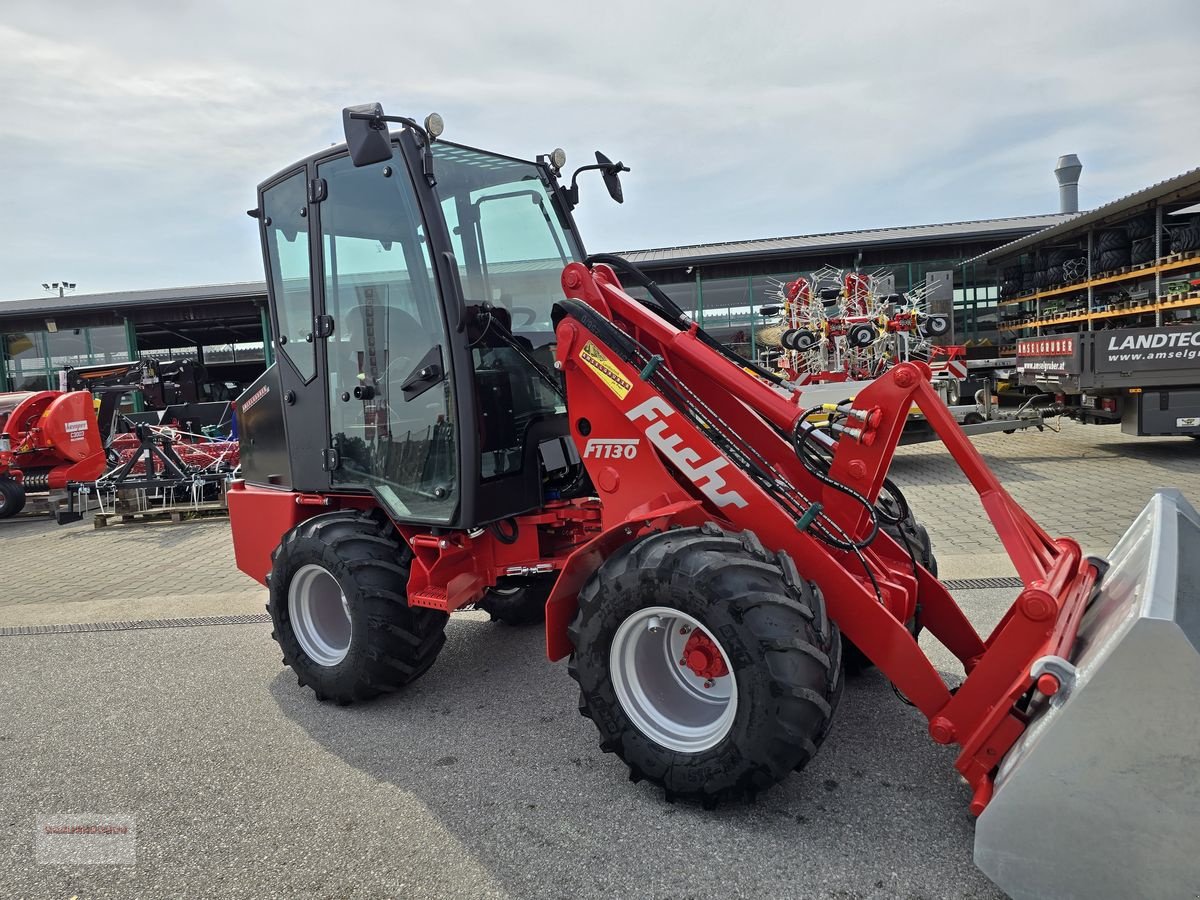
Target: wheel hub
<point>673,680</point>
<point>703,656</point>
<point>319,615</point>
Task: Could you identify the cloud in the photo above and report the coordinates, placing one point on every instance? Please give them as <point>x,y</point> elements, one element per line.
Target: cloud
<point>135,134</point>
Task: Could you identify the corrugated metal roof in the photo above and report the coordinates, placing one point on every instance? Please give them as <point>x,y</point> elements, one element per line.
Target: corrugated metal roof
<point>846,240</point>
<point>1177,188</point>
<point>243,290</point>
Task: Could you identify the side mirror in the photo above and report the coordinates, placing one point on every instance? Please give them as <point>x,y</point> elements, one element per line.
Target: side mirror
<point>611,172</point>
<point>612,176</point>
<point>366,134</point>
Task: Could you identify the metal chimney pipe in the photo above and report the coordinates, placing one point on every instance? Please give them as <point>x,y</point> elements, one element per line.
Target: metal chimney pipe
<point>1067,172</point>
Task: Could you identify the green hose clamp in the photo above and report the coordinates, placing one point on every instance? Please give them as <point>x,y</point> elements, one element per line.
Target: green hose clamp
<point>809,517</point>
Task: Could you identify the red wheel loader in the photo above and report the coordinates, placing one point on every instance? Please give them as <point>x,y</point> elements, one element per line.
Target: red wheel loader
<point>469,412</point>
<point>47,438</point>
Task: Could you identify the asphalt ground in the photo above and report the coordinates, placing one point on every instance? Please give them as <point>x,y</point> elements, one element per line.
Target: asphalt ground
<point>481,779</point>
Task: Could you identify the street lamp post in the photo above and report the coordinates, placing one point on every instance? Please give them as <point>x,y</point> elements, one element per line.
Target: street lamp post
<point>61,286</point>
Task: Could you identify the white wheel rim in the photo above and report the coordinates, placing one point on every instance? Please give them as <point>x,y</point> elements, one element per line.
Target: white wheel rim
<point>320,615</point>
<point>663,697</point>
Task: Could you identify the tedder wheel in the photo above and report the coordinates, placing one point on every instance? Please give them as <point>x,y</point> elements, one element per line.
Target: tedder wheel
<point>707,664</point>
<point>911,535</point>
<point>337,602</point>
<point>12,497</point>
<point>518,601</point>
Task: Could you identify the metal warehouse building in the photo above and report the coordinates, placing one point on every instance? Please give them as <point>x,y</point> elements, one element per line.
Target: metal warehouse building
<point>224,326</point>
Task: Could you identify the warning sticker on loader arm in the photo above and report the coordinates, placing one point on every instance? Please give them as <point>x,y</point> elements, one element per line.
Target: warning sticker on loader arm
<point>608,374</point>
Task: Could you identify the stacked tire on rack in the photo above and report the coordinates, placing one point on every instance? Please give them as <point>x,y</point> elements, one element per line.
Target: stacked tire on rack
<point>1185,238</point>
<point>1112,250</point>
<point>1141,237</point>
<point>1065,264</point>
<point>1011,284</point>
<point>1141,251</point>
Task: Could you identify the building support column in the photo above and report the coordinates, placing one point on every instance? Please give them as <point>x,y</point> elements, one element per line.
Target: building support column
<point>1091,297</point>
<point>1158,254</point>
<point>753,318</point>
<point>139,401</point>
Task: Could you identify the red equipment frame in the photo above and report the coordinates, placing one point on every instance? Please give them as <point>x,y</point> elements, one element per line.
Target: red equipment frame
<point>653,469</point>
<point>53,438</point>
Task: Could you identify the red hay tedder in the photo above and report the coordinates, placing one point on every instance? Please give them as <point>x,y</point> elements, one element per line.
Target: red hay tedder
<point>469,412</point>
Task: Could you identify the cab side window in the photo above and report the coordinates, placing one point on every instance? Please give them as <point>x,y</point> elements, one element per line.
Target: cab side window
<point>284,207</point>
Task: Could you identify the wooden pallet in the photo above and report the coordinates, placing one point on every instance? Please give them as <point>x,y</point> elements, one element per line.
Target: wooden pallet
<point>125,514</point>
<point>1180,257</point>
<point>1170,299</point>
<point>41,505</point>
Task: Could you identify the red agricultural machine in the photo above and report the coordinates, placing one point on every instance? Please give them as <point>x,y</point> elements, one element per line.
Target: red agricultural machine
<point>47,439</point>
<point>468,412</point>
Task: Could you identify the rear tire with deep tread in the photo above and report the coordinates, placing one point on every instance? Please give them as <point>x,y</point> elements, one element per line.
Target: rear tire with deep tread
<point>12,498</point>
<point>782,647</point>
<point>391,644</point>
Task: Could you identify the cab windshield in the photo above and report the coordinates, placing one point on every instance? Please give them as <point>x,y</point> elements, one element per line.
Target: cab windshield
<point>511,244</point>
<point>508,237</point>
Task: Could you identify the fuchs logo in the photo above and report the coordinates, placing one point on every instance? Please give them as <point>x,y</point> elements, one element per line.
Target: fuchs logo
<point>611,448</point>
<point>703,476</point>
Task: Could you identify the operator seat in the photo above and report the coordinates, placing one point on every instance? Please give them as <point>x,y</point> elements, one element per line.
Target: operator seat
<point>386,352</point>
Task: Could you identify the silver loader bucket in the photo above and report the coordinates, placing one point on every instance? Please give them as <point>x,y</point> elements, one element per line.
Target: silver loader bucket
<point>1100,798</point>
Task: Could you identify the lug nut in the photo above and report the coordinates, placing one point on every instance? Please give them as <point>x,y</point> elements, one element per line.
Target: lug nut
<point>684,630</point>
<point>709,683</point>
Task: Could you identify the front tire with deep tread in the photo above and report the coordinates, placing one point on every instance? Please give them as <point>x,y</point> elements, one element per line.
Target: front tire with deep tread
<point>783,651</point>
<point>390,643</point>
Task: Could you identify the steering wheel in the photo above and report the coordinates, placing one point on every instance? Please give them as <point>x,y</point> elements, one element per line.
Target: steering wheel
<point>530,314</point>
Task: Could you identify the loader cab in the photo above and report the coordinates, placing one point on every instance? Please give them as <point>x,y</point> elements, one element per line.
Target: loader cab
<point>412,328</point>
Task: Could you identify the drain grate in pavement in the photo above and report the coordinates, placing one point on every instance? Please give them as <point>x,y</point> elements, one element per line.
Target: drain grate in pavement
<point>981,584</point>
<point>79,627</point>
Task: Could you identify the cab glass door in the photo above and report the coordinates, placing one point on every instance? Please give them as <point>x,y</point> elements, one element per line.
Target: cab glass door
<point>391,398</point>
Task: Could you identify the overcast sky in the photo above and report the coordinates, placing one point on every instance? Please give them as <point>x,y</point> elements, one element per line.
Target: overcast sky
<point>134,133</point>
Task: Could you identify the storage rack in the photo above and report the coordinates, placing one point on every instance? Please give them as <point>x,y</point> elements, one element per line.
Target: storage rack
<point>1167,286</point>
